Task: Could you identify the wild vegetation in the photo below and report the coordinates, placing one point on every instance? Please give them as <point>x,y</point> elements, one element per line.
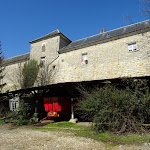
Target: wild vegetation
<point>4,106</point>
<point>118,108</point>
<point>29,73</point>
<point>145,8</point>
<point>23,115</point>
<point>1,68</point>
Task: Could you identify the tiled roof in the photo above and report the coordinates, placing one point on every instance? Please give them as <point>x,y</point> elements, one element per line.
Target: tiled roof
<point>56,32</point>
<point>107,35</point>
<point>16,59</point>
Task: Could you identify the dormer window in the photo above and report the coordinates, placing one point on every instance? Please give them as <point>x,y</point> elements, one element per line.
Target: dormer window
<point>43,47</point>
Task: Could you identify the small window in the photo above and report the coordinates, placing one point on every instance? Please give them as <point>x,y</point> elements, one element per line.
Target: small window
<point>84,58</point>
<point>42,62</point>
<point>132,47</point>
<point>43,47</point>
<point>14,103</point>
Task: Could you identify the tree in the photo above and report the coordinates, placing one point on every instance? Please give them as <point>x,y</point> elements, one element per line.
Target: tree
<point>29,74</point>
<point>145,8</point>
<point>45,75</point>
<point>3,103</point>
<point>24,73</point>
<point>1,68</point>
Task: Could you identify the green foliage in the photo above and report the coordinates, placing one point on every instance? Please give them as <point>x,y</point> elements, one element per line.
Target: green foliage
<point>2,121</point>
<point>117,110</point>
<point>4,106</point>
<point>123,139</point>
<point>106,136</point>
<point>1,68</point>
<point>29,73</point>
<point>21,116</point>
<point>61,124</point>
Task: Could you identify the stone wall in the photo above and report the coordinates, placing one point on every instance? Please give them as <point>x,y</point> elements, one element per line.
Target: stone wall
<point>51,49</point>
<point>12,76</point>
<point>107,60</point>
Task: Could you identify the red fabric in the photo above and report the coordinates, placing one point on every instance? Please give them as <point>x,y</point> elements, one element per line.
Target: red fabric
<point>56,106</point>
<point>51,104</point>
<point>46,107</point>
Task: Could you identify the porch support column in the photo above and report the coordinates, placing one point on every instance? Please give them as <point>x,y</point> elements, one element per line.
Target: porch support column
<point>35,110</point>
<point>72,112</point>
<point>73,120</point>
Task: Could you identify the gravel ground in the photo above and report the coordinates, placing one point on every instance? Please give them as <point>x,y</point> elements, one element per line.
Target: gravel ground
<point>27,139</point>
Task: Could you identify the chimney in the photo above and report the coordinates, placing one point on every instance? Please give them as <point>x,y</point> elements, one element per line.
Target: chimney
<point>101,31</point>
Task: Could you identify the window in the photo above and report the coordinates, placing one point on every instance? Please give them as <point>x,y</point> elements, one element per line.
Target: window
<point>132,47</point>
<point>43,47</point>
<point>42,62</point>
<point>14,103</point>
<point>84,58</point>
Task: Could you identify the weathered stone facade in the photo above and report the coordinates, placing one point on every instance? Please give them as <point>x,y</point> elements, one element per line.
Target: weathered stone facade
<point>50,52</point>
<point>107,60</point>
<point>107,57</point>
<point>12,71</point>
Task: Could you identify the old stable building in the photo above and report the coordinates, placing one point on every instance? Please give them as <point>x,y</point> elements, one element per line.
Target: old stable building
<point>122,52</point>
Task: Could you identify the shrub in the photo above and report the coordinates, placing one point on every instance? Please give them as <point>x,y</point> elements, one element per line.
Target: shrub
<point>115,109</point>
<point>4,106</point>
<point>22,116</point>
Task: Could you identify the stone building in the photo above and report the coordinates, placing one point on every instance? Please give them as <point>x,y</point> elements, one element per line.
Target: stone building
<point>122,52</point>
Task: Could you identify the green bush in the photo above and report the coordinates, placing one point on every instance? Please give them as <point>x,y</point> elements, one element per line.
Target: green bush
<point>4,106</point>
<point>22,116</point>
<point>117,110</point>
<point>2,121</point>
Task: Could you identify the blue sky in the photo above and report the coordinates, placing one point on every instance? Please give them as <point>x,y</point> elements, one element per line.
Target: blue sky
<point>22,21</point>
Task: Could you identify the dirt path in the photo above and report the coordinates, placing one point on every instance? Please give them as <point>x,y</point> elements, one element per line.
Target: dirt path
<point>28,139</point>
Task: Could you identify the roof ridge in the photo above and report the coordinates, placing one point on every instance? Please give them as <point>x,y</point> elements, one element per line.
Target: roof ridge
<point>55,32</point>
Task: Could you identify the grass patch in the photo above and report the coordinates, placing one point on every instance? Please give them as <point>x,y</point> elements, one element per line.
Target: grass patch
<point>88,132</point>
<point>124,139</point>
<point>60,124</point>
<point>2,121</point>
